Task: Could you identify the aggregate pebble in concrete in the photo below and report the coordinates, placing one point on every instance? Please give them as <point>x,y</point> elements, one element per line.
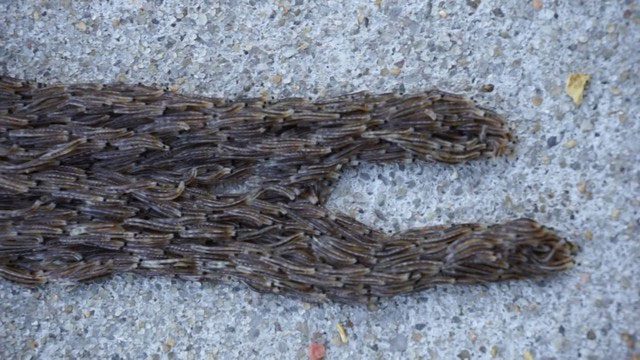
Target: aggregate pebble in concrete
<point>523,50</point>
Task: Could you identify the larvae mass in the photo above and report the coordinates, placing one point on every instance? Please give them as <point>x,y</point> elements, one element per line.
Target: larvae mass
<point>102,179</point>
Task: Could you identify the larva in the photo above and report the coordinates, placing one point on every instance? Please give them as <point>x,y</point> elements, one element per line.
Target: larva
<point>105,178</point>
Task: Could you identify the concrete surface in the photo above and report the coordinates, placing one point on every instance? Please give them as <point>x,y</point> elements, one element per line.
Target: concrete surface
<point>577,169</point>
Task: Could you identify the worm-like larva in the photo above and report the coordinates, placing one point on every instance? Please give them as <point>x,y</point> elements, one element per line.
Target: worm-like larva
<point>100,179</point>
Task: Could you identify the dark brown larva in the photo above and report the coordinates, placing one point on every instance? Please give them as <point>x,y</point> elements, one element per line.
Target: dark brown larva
<point>99,179</point>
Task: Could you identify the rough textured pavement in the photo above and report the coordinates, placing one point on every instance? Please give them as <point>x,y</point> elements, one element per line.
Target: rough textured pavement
<point>577,169</point>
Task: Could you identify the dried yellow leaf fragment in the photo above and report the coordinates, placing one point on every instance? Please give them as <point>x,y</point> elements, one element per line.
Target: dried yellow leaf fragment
<point>343,333</point>
<point>575,86</point>
<point>494,351</point>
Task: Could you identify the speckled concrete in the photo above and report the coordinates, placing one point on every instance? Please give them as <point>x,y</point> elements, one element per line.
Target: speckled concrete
<point>576,169</point>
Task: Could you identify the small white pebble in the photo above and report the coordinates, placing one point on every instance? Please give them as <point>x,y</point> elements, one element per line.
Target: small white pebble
<point>586,125</point>
<point>288,53</point>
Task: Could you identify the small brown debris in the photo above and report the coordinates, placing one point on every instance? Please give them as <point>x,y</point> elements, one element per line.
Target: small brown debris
<point>473,337</point>
<point>349,324</point>
<point>378,3</point>
<point>536,101</point>
<point>32,344</point>
<point>416,336</point>
<point>537,4</point>
<point>516,308</point>
<point>570,144</point>
<point>629,340</point>
<point>168,345</point>
<point>487,87</point>
<point>576,84</point>
<point>276,79</point>
<point>582,187</point>
<point>81,26</point>
<point>588,235</point>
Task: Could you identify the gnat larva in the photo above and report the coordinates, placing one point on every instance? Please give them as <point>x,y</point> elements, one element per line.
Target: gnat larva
<point>100,179</point>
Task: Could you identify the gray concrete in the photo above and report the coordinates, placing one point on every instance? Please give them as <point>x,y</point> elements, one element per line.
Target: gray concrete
<point>589,192</point>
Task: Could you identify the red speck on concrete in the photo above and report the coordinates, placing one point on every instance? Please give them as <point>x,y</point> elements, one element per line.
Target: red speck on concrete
<point>316,351</point>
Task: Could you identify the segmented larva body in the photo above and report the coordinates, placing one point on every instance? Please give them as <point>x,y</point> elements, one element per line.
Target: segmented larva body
<point>101,179</point>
